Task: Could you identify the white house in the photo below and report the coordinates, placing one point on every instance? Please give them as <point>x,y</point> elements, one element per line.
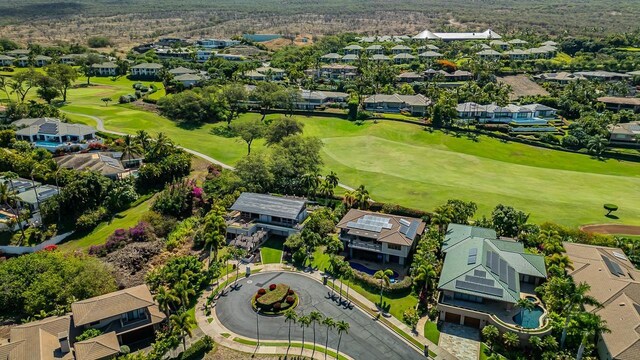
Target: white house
<point>105,69</point>
<point>6,60</point>
<point>188,80</point>
<point>485,35</point>
<point>531,113</point>
<point>415,104</point>
<point>146,70</point>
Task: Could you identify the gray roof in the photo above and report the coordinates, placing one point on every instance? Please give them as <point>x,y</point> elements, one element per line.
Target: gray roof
<point>488,53</point>
<point>182,70</point>
<point>410,100</point>
<point>5,57</point>
<point>147,66</point>
<point>350,57</point>
<point>188,77</point>
<point>331,56</point>
<point>105,65</point>
<point>44,192</point>
<point>380,57</point>
<point>50,126</point>
<point>263,204</point>
<point>430,54</point>
<point>353,47</point>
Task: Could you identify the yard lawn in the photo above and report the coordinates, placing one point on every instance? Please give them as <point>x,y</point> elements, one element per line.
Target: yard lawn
<point>124,220</point>
<point>403,164</point>
<point>431,332</point>
<point>271,251</point>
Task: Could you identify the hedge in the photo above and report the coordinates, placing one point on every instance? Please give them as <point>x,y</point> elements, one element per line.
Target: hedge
<point>395,209</point>
<point>374,284</point>
<point>273,296</point>
<point>198,349</point>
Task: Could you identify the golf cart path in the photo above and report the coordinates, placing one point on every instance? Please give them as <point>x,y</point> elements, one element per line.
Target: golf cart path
<point>100,127</point>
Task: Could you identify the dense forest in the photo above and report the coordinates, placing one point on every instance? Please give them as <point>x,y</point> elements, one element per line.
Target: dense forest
<point>38,20</point>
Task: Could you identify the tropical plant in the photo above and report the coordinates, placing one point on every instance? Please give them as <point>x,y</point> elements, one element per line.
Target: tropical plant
<point>524,304</point>
<point>304,321</point>
<point>183,323</point>
<point>214,231</point>
<point>165,299</point>
<point>184,291</point>
<point>330,324</point>
<point>290,317</point>
<point>314,317</point>
<point>385,279</point>
<point>342,327</point>
<point>490,334</point>
<point>362,197</point>
<point>511,340</point>
<point>578,298</point>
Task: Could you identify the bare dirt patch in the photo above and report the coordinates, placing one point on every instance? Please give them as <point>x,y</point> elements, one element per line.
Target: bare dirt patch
<point>521,85</point>
<point>612,229</point>
<point>223,353</point>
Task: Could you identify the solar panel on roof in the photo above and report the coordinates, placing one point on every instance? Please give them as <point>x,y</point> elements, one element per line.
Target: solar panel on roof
<point>405,222</point>
<point>473,253</point>
<point>464,285</point>
<point>614,268</point>
<point>479,280</point>
<point>49,128</point>
<point>503,270</point>
<point>619,256</point>
<point>479,273</point>
<point>495,263</point>
<point>511,278</point>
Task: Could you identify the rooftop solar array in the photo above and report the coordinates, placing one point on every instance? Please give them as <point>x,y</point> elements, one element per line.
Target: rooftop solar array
<point>614,268</point>
<point>49,128</point>
<point>619,256</point>
<point>473,254</point>
<point>500,267</point>
<point>370,223</point>
<point>479,288</point>
<point>479,273</point>
<point>479,280</point>
<point>263,204</point>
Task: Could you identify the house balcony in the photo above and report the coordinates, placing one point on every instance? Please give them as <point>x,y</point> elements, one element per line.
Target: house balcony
<point>364,245</point>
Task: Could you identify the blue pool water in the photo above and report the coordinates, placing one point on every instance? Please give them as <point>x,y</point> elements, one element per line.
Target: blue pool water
<point>3,216</point>
<point>366,270</point>
<point>529,319</point>
<point>47,144</point>
<point>531,121</point>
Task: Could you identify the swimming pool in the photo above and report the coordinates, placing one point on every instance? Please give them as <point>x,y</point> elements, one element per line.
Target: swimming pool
<point>48,144</point>
<point>529,319</point>
<point>366,270</point>
<point>529,121</point>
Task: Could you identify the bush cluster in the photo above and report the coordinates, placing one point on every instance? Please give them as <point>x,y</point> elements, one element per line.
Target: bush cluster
<point>374,284</point>
<point>91,219</point>
<point>142,232</point>
<point>198,349</point>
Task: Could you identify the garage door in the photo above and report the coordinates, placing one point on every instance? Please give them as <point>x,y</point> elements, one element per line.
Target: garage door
<point>472,322</point>
<point>452,318</point>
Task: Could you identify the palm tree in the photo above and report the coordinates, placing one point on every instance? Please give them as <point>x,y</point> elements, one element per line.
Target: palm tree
<point>165,298</point>
<point>332,179</point>
<point>559,260</point>
<point>341,266</point>
<point>343,327</point>
<point>310,182</point>
<point>384,276</point>
<point>238,253</point>
<point>290,317</point>
<point>578,298</point>
<point>424,272</point>
<point>214,230</point>
<point>349,199</point>
<point>183,291</point>
<point>348,274</point>
<point>325,189</point>
<point>511,340</point>
<point>8,197</point>
<point>183,322</point>
<point>130,148</point>
<point>144,139</point>
<point>315,317</point>
<point>330,324</point>
<point>490,334</point>
<point>442,219</point>
<point>597,145</point>
<point>304,321</point>
<point>362,197</point>
<point>525,304</point>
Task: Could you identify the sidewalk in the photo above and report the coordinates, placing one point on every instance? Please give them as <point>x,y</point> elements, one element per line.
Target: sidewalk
<point>215,329</point>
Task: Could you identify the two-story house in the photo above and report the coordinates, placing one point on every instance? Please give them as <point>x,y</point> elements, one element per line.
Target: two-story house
<point>395,103</point>
<point>124,317</point>
<point>379,237</point>
<point>483,277</point>
<point>276,215</point>
<point>148,70</point>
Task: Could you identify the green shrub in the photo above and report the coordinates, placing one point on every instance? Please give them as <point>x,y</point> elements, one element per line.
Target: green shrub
<point>373,284</point>
<point>198,349</point>
<point>88,334</point>
<point>184,231</point>
<point>91,219</point>
<point>273,297</point>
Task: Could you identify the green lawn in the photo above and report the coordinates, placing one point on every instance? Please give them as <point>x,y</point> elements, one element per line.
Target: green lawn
<point>123,220</point>
<point>431,332</point>
<point>271,251</point>
<point>403,164</point>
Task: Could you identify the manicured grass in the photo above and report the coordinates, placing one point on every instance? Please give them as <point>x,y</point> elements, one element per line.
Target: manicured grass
<point>485,352</point>
<point>271,251</point>
<point>431,332</point>
<point>320,259</point>
<point>285,344</point>
<point>403,164</point>
<point>123,220</point>
<point>192,313</point>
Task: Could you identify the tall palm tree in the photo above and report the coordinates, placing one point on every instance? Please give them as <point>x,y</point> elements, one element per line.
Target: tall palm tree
<point>362,197</point>
<point>332,179</point>
<point>349,198</point>
<point>578,298</point>
<point>341,266</point>
<point>183,322</point>
<point>8,197</point>
<point>343,327</point>
<point>144,139</point>
<point>165,298</point>
<point>238,253</point>
<point>315,317</point>
<point>325,189</point>
<point>214,230</point>
<point>330,324</point>
<point>290,317</point>
<point>348,274</point>
<point>424,272</point>
<point>130,147</point>
<point>559,260</point>
<point>384,277</point>
<point>304,321</point>
<point>310,181</point>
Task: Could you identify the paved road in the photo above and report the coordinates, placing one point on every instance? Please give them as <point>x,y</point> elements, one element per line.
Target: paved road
<point>367,339</point>
<point>100,127</point>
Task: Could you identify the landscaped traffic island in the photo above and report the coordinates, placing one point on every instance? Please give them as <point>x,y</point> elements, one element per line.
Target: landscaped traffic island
<point>274,299</point>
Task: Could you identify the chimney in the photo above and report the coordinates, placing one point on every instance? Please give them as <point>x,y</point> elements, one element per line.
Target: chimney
<point>63,337</point>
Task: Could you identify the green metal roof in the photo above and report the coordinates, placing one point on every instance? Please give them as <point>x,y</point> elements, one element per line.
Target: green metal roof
<point>461,267</point>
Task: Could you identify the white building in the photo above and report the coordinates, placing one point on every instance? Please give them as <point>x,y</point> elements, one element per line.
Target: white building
<point>146,70</point>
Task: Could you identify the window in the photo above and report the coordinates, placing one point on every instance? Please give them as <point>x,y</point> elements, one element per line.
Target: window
<point>134,315</point>
<point>467,297</point>
<point>394,247</point>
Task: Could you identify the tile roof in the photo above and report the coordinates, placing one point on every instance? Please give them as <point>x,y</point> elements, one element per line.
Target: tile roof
<point>180,70</point>
<point>430,54</point>
<point>147,66</point>
<point>103,164</point>
<point>615,283</point>
<point>411,100</point>
<point>97,348</point>
<point>380,57</point>
<point>112,304</point>
<point>39,339</point>
<point>620,100</point>
<point>284,207</point>
<point>394,233</point>
<point>50,126</point>
<point>105,65</point>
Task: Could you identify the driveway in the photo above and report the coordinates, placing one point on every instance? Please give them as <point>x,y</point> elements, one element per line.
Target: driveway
<point>366,339</point>
<point>463,342</point>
